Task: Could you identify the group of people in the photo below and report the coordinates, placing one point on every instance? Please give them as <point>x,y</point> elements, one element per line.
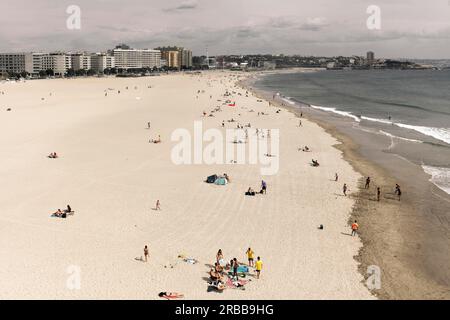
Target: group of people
<point>251,192</point>
<point>222,268</point>
<point>53,155</point>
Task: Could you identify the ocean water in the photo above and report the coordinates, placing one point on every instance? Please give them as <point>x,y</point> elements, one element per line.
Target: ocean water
<point>412,108</point>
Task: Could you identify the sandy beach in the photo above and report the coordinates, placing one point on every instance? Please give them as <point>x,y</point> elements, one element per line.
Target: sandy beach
<point>112,177</point>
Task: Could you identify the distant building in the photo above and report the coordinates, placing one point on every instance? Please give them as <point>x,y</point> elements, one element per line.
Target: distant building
<point>102,61</point>
<point>370,57</point>
<point>137,58</point>
<point>177,57</point>
<point>81,61</point>
<point>172,58</point>
<point>16,62</point>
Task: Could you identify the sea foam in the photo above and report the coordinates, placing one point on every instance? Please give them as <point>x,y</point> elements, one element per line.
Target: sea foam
<point>439,177</point>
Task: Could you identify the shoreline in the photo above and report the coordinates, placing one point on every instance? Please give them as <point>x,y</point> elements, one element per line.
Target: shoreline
<point>382,225</point>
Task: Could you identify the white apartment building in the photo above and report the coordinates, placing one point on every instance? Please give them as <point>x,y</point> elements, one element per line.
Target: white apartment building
<point>81,61</point>
<point>16,62</point>
<point>102,61</point>
<point>137,58</point>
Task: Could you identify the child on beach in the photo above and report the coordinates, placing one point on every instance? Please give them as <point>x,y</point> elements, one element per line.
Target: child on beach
<point>355,227</point>
<point>258,266</point>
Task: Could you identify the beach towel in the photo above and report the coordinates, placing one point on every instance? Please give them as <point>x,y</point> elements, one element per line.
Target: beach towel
<point>242,269</point>
<point>211,179</point>
<point>221,181</point>
<point>239,284</point>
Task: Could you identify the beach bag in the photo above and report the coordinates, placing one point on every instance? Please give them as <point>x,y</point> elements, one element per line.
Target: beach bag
<point>211,179</point>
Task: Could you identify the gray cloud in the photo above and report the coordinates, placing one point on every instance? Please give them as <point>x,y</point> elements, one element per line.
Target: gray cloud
<point>185,5</point>
<point>410,28</point>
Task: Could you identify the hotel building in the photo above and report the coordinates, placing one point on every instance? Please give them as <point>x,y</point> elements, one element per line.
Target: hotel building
<point>136,58</point>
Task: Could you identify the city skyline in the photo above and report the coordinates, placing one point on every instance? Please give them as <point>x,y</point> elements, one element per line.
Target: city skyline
<point>409,28</point>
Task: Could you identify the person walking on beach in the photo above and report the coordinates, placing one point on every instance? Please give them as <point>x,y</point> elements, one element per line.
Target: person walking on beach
<point>355,227</point>
<point>250,254</point>
<point>399,193</point>
<point>258,266</point>
<point>148,125</point>
<point>299,123</point>
<point>145,253</point>
<point>158,205</point>
<point>344,189</point>
<point>336,177</point>
<point>378,193</point>
<point>263,187</point>
<point>367,183</point>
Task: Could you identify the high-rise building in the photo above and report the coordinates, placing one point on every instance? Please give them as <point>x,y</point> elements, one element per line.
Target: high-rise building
<point>177,57</point>
<point>370,57</point>
<point>137,58</point>
<point>172,58</point>
<point>186,59</point>
<point>101,61</point>
<point>81,61</point>
<point>16,62</point>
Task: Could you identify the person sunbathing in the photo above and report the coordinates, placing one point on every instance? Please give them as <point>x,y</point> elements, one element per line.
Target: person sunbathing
<point>156,140</point>
<point>170,295</point>
<point>214,275</point>
<point>58,213</point>
<point>315,163</point>
<point>305,149</point>
<point>250,192</point>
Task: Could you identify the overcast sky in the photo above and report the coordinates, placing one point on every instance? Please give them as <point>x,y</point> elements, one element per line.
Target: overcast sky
<point>409,28</point>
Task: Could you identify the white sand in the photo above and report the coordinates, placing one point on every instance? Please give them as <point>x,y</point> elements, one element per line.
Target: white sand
<point>112,177</point>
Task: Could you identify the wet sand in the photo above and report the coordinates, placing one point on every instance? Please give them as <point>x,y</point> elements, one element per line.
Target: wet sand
<point>407,239</point>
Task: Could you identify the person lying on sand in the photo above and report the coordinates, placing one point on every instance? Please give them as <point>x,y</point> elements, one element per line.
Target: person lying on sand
<point>250,192</point>
<point>58,213</point>
<point>306,149</point>
<point>170,295</point>
<point>156,140</point>
<point>53,155</point>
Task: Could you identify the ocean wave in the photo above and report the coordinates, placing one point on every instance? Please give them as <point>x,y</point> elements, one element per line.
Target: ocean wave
<point>339,112</point>
<point>288,100</point>
<point>442,134</point>
<point>400,138</point>
<point>440,177</point>
<point>376,120</point>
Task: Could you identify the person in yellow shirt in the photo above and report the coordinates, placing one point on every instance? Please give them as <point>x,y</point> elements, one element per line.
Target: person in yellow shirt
<point>258,266</point>
<point>250,254</point>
